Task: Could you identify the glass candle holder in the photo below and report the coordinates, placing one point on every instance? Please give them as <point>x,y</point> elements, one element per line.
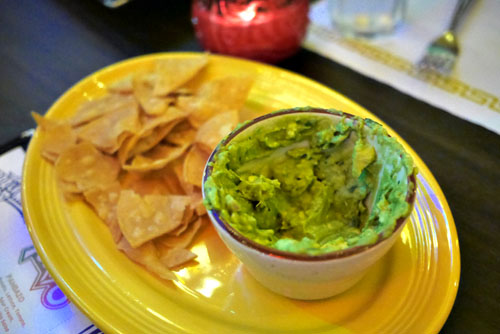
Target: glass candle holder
<point>265,30</point>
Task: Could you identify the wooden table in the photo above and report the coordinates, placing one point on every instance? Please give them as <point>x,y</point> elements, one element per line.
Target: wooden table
<point>48,45</point>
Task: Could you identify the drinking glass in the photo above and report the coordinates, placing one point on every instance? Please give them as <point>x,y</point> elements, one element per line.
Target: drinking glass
<point>367,18</point>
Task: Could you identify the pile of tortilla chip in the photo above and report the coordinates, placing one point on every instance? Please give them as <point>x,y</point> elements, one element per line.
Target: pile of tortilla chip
<point>137,155</point>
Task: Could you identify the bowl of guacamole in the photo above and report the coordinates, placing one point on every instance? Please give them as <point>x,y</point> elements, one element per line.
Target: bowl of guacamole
<point>308,186</point>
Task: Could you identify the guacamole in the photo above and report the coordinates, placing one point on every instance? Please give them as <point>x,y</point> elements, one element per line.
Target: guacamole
<point>311,183</point>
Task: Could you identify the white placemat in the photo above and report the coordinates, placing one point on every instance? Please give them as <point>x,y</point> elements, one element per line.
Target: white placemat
<point>471,92</point>
<point>30,301</point>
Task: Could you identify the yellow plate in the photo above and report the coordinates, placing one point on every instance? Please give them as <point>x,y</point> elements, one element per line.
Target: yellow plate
<point>410,290</point>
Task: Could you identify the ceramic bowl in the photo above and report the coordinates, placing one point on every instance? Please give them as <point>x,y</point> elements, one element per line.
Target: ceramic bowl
<point>296,275</point>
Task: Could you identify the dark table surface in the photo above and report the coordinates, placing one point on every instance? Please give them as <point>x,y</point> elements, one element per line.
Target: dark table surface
<point>48,45</point>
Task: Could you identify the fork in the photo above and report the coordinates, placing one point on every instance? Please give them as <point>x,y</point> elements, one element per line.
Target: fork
<point>443,52</point>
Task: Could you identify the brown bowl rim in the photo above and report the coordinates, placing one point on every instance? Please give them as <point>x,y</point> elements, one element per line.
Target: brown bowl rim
<point>410,197</point>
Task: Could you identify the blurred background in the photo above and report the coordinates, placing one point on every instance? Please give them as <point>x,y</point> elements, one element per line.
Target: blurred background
<point>452,121</point>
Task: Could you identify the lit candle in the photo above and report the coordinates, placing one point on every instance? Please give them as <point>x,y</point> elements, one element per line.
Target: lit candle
<point>266,30</point>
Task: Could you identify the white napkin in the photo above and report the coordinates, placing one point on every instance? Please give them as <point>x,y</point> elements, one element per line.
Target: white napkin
<point>472,92</point>
<point>30,301</point>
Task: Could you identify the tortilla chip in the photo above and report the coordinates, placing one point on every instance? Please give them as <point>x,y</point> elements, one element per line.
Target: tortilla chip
<point>109,131</point>
<point>143,91</point>
<point>153,130</point>
<point>147,142</point>
<point>173,73</point>
<point>85,167</point>
<point>116,232</point>
<point>194,164</point>
<point>172,182</point>
<point>138,144</point>
<point>183,91</point>
<point>68,187</point>
<point>177,167</point>
<point>123,86</point>
<point>176,256</point>
<point>94,109</point>
<point>70,191</point>
<point>104,201</point>
<point>161,125</point>
<point>157,158</point>
<point>57,136</point>
<point>186,220</point>
<point>146,183</point>
<point>144,218</point>
<point>170,114</point>
<point>148,256</point>
<point>228,93</point>
<point>182,134</point>
<point>215,129</point>
<point>180,241</point>
<point>197,202</point>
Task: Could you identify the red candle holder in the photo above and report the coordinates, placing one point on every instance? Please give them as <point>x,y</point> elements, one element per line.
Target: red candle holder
<point>265,30</point>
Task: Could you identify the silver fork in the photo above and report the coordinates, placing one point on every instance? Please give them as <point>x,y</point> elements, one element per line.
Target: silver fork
<point>442,53</point>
